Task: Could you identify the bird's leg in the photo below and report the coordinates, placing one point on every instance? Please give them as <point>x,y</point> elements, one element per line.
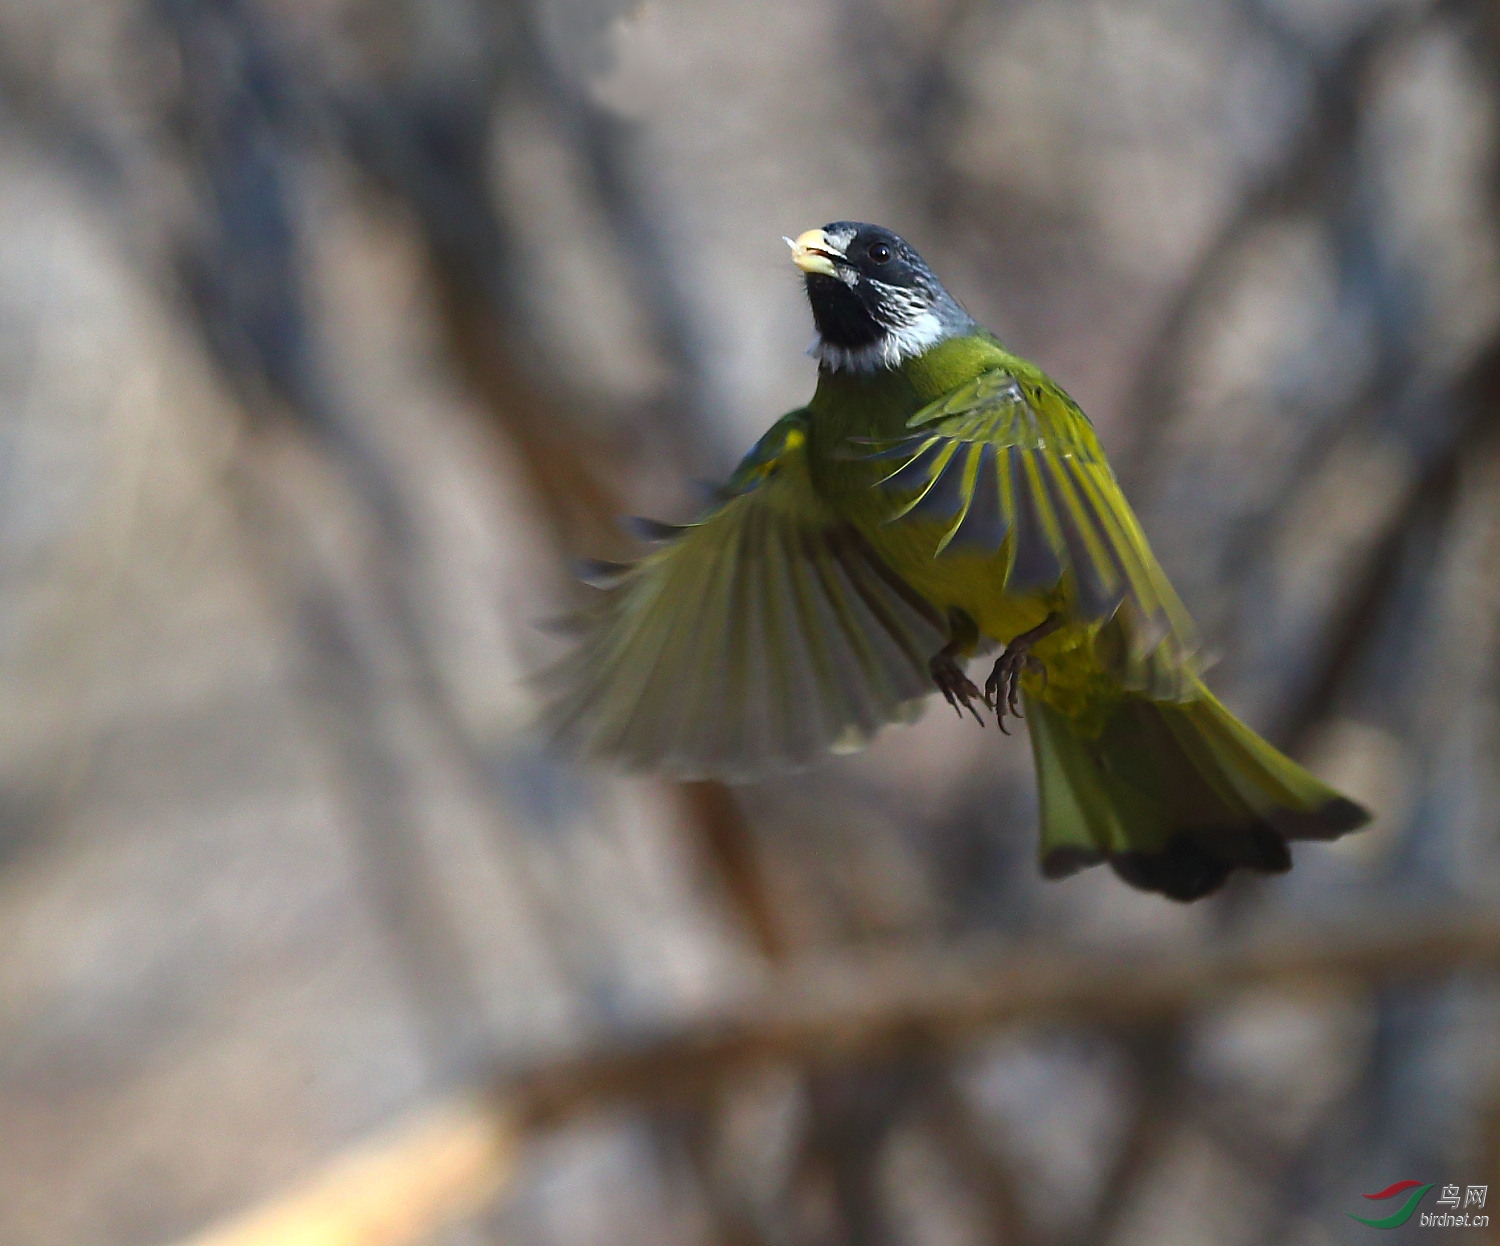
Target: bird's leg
<point>1002,690</point>
<point>957,688</point>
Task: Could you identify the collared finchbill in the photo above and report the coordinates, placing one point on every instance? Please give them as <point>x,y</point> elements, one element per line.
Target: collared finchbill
<point>814,252</point>
<point>937,494</point>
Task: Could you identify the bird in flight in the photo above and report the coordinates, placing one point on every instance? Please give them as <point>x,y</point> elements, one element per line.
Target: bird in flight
<point>937,498</point>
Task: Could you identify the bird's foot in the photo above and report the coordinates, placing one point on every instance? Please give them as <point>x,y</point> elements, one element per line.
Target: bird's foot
<point>1002,690</point>
<point>958,689</point>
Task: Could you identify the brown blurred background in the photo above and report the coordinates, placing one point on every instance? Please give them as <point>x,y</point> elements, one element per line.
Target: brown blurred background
<point>330,330</point>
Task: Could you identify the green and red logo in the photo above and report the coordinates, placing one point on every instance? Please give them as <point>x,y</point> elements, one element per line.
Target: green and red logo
<point>1403,1213</point>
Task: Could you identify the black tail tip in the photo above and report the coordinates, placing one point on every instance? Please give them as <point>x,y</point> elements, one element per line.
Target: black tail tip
<point>1181,872</point>
<point>1196,863</point>
<point>1341,815</point>
<point>1334,817</point>
<point>1193,864</point>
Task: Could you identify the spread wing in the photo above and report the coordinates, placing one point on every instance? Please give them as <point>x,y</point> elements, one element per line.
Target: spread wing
<point>1009,465</point>
<point>754,640</point>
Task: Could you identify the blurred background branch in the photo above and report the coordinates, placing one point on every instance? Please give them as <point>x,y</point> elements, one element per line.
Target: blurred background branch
<point>862,1015</point>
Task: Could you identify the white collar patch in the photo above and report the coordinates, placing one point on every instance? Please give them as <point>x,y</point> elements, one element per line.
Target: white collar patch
<point>898,344</point>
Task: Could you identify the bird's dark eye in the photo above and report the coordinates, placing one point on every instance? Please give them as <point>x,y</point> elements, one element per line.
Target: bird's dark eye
<point>879,253</point>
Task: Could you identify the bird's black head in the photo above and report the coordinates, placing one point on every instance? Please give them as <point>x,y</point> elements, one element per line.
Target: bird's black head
<point>874,301</point>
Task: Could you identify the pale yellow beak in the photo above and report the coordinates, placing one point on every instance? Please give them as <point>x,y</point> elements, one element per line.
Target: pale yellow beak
<point>814,252</point>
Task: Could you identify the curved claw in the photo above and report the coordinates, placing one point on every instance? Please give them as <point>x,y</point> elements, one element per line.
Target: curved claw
<point>957,688</point>
<point>1002,690</point>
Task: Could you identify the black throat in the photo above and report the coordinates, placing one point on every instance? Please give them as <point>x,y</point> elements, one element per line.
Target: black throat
<point>841,316</point>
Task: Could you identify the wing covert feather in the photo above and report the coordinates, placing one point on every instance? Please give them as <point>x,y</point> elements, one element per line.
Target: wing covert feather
<point>1025,478</point>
